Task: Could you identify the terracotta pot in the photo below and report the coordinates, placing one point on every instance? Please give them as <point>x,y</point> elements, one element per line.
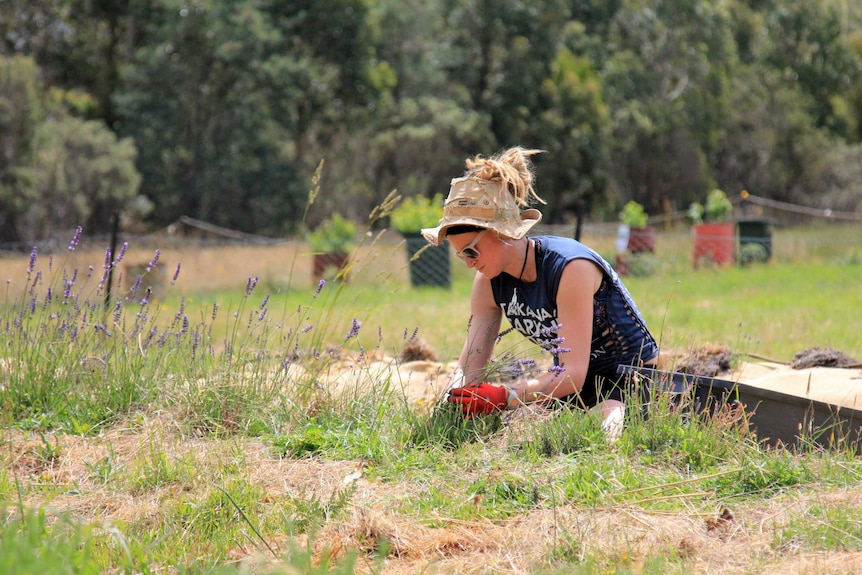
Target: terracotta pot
<point>642,240</point>
<point>714,243</point>
<point>328,265</point>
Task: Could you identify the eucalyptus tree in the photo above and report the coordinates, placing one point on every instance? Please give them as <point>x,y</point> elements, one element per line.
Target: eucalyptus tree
<point>807,46</point>
<point>82,175</point>
<point>666,82</point>
<point>524,65</point>
<point>58,171</point>
<point>232,104</point>
<point>21,111</point>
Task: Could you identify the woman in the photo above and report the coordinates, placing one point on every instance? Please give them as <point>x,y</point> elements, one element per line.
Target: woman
<point>556,291</point>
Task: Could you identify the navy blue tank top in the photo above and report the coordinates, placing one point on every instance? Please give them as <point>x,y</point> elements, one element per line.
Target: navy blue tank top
<point>619,333</point>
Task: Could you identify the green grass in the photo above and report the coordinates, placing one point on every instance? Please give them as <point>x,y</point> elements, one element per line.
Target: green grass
<point>212,412</point>
<point>774,310</point>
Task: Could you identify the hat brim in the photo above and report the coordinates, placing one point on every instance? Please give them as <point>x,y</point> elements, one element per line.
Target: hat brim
<point>515,230</point>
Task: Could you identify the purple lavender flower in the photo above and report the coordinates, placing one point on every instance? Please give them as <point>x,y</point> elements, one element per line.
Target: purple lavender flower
<point>135,287</point>
<point>551,329</point>
<point>106,269</point>
<point>122,253</point>
<point>320,285</point>
<point>196,341</point>
<point>75,239</point>
<point>155,261</point>
<point>557,369</point>
<point>176,275</point>
<point>33,255</point>
<point>215,310</point>
<point>37,280</point>
<point>354,331</point>
<point>250,285</point>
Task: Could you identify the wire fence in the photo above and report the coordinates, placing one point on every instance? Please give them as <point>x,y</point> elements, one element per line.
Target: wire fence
<point>210,258</point>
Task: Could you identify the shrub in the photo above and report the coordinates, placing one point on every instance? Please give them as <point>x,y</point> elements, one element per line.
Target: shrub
<point>633,215</point>
<point>717,208</point>
<point>334,235</point>
<point>415,213</point>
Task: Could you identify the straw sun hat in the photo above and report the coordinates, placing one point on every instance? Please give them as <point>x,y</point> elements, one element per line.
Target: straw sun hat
<point>483,203</point>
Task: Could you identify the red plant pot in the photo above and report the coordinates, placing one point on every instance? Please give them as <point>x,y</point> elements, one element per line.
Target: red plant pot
<point>328,265</point>
<point>714,243</point>
<point>642,240</point>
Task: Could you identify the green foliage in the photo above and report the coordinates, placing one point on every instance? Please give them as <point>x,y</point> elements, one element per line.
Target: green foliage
<point>445,427</point>
<point>752,253</point>
<point>643,264</point>
<point>38,541</point>
<point>308,511</point>
<point>208,390</point>
<point>154,469</point>
<point>827,526</point>
<point>634,215</point>
<point>569,431</point>
<point>651,99</point>
<point>63,171</point>
<point>335,234</point>
<point>717,208</point>
<point>417,212</point>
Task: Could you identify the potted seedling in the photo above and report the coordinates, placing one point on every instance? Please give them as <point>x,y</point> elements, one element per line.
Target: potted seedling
<point>331,242</point>
<point>713,229</point>
<point>641,236</point>
<point>429,265</point>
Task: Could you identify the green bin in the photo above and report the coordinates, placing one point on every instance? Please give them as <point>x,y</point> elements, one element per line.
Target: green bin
<point>755,239</point>
<point>431,267</point>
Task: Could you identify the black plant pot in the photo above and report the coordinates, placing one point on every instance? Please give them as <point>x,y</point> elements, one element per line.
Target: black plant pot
<point>429,265</point>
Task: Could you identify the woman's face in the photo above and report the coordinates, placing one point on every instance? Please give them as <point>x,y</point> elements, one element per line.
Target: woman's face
<point>484,246</point>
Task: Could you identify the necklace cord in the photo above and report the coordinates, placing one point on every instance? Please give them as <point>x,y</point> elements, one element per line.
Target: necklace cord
<point>526,255</point>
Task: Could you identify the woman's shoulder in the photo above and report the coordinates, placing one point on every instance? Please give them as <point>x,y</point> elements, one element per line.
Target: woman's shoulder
<point>569,248</point>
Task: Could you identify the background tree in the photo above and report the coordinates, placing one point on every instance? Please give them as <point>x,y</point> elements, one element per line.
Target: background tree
<point>233,105</point>
<point>20,113</point>
<point>666,82</point>
<point>82,175</point>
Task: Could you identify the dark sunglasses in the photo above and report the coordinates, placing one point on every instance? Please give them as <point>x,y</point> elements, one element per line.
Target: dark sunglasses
<point>470,251</point>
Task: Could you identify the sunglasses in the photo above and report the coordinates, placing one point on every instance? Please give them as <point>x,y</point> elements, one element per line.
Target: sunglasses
<point>469,251</point>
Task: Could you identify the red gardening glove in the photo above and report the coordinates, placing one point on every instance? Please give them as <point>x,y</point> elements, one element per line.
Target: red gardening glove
<point>482,399</point>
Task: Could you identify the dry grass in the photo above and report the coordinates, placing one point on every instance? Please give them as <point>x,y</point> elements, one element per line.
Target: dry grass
<point>698,533</point>
<point>742,541</point>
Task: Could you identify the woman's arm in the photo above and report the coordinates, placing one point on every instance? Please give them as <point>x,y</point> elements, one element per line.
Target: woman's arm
<point>578,285</point>
<point>485,318</point>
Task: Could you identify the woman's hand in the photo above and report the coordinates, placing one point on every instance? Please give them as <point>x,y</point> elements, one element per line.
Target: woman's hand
<point>483,399</point>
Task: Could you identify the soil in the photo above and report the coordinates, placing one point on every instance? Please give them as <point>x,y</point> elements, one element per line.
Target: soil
<point>818,357</point>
